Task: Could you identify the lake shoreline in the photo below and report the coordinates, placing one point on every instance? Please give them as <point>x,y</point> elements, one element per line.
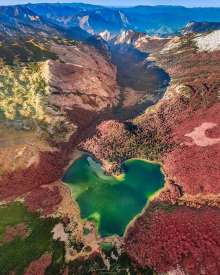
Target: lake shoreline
<point>97,201</point>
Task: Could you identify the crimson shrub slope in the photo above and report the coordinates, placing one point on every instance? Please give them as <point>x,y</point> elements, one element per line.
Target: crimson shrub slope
<point>183,237</point>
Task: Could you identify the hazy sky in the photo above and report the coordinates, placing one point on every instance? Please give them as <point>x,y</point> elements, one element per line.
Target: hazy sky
<point>189,3</point>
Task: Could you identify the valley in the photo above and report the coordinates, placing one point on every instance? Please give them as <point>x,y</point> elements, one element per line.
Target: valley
<point>141,81</point>
<point>109,140</point>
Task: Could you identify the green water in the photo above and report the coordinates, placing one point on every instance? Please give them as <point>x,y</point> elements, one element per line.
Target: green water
<point>112,202</point>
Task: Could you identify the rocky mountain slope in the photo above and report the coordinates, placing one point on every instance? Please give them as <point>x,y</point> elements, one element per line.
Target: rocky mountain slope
<point>139,40</point>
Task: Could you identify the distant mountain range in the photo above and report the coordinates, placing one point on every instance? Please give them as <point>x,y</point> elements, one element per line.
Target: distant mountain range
<point>161,20</point>
<point>82,20</point>
<point>21,20</point>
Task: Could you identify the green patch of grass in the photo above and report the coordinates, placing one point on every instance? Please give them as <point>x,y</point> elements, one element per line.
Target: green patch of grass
<point>64,41</point>
<point>17,254</point>
<point>86,231</point>
<point>106,246</point>
<point>188,43</point>
<point>11,215</point>
<point>58,259</point>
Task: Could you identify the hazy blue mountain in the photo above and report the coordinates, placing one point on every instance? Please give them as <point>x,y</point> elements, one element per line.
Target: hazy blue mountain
<point>80,21</point>
<point>93,19</point>
<point>21,20</point>
<point>167,19</point>
<point>163,20</point>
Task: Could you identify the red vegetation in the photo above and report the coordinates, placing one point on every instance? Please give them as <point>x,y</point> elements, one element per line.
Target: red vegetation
<point>194,167</point>
<point>182,237</point>
<point>214,132</point>
<point>19,230</point>
<point>189,65</point>
<point>109,141</point>
<point>43,199</point>
<point>49,169</point>
<point>161,135</point>
<point>39,266</point>
<point>198,117</point>
<point>170,194</point>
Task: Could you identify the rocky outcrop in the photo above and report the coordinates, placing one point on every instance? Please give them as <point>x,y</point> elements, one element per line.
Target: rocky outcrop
<point>200,27</point>
<point>209,42</point>
<point>128,37</point>
<point>140,41</point>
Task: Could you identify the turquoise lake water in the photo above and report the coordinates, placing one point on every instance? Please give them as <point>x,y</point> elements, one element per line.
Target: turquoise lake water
<point>112,202</point>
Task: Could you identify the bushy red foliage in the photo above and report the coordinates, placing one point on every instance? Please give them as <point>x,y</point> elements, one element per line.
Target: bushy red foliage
<point>20,230</point>
<point>182,237</point>
<point>189,65</point>
<point>39,266</point>
<point>49,169</point>
<point>213,132</point>
<point>170,193</point>
<point>196,118</point>
<point>43,199</point>
<point>109,142</point>
<point>195,168</point>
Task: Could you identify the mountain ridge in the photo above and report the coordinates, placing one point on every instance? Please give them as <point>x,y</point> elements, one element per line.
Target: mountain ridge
<point>147,19</point>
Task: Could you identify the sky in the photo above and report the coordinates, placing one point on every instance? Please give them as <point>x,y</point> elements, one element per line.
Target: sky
<point>188,3</point>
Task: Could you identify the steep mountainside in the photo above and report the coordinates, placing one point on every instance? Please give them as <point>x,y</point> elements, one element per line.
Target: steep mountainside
<point>138,40</point>
<point>80,21</point>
